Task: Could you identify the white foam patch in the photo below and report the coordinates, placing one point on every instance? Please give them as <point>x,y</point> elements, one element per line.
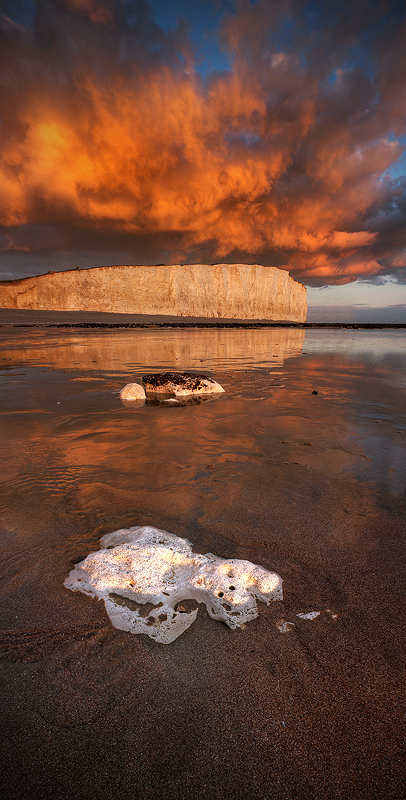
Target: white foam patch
<point>309,615</point>
<point>283,626</point>
<point>143,573</point>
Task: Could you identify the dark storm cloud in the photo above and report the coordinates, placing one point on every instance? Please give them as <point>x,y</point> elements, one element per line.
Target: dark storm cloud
<point>114,148</point>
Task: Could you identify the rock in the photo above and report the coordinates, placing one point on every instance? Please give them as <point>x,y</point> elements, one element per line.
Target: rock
<point>142,574</point>
<point>171,388</point>
<point>132,391</point>
<point>180,384</point>
<point>228,291</point>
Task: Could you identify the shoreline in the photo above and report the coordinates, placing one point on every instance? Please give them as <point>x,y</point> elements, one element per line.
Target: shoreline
<point>26,318</point>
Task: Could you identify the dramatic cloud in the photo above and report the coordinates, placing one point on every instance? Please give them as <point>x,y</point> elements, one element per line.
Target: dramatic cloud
<point>112,141</point>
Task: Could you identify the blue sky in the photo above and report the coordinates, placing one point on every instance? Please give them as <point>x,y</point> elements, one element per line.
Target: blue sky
<point>203,19</point>
<point>358,301</point>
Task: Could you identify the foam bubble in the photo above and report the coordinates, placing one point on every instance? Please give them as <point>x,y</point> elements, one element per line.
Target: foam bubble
<point>143,573</point>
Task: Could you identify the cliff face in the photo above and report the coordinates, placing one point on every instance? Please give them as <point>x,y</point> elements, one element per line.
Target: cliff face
<point>235,291</point>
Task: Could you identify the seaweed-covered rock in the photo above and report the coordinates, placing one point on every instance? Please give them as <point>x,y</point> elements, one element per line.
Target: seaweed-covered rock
<point>180,384</point>
<point>143,574</point>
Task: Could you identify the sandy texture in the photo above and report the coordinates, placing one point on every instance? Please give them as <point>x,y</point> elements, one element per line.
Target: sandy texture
<point>316,712</point>
<point>309,486</point>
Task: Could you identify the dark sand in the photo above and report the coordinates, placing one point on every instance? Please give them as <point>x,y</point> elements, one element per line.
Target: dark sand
<point>317,712</point>
<point>26,317</point>
<point>9,316</point>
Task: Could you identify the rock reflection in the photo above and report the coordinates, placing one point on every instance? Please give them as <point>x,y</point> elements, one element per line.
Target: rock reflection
<point>181,401</point>
<point>161,348</point>
<point>169,401</point>
<point>132,403</point>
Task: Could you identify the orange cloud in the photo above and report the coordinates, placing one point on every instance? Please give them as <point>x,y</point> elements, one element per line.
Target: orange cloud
<point>269,159</point>
<point>94,9</point>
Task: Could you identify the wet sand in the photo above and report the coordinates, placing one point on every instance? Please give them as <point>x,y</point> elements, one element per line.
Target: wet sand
<point>27,317</point>
<point>311,486</point>
<point>9,316</point>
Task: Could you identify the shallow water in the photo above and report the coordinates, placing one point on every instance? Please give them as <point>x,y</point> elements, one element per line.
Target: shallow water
<point>63,424</point>
<point>320,406</point>
<point>300,467</point>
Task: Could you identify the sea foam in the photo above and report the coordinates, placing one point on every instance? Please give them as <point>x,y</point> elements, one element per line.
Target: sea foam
<point>142,574</point>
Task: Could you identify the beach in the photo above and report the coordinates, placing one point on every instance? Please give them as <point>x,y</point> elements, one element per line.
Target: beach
<point>298,467</point>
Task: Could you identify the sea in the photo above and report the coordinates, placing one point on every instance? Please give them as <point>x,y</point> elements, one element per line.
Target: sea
<point>299,466</point>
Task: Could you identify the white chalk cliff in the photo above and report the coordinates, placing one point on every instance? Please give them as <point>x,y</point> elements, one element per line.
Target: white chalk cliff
<point>229,291</point>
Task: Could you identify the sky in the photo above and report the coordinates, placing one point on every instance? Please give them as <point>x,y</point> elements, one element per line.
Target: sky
<point>250,131</point>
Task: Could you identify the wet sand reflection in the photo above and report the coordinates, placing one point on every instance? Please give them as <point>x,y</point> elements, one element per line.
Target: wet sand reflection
<point>310,486</point>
